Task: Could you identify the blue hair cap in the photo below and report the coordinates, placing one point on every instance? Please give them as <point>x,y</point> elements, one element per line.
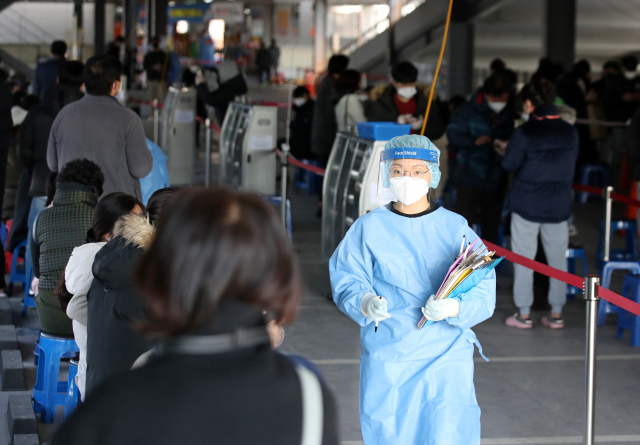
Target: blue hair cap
<point>425,150</point>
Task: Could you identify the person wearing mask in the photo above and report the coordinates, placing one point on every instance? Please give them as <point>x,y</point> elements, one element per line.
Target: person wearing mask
<point>57,231</point>
<point>416,386</point>
<point>301,124</point>
<point>401,102</point>
<point>325,124</point>
<point>349,110</point>
<point>543,154</point>
<point>274,54</point>
<point>156,64</point>
<point>34,135</point>
<point>499,66</point>
<point>479,125</point>
<point>263,62</point>
<point>218,86</point>
<point>114,305</point>
<point>77,278</point>
<point>200,297</point>
<point>46,73</point>
<point>621,95</point>
<point>97,127</point>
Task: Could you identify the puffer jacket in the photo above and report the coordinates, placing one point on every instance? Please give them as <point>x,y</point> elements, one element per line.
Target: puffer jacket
<point>479,167</point>
<point>78,278</point>
<point>114,304</point>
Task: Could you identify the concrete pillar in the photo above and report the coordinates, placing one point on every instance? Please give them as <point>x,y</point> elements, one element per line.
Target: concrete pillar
<point>320,39</point>
<point>460,58</point>
<point>130,21</point>
<point>560,31</point>
<point>161,17</point>
<point>99,21</point>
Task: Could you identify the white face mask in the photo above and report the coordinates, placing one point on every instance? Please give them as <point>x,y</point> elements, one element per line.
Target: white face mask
<point>497,106</point>
<point>408,190</point>
<point>407,92</point>
<point>630,75</point>
<point>299,101</point>
<point>525,116</point>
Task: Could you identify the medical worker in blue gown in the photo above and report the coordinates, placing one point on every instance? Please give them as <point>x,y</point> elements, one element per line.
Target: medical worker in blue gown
<point>416,386</point>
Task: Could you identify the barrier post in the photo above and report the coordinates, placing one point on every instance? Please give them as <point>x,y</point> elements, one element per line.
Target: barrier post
<point>607,224</point>
<point>591,283</point>
<point>207,152</point>
<point>284,162</point>
<point>155,121</point>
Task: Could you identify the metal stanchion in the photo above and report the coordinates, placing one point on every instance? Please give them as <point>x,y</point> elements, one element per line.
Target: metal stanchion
<point>155,121</point>
<point>207,152</point>
<point>591,283</point>
<point>607,224</point>
<point>284,163</point>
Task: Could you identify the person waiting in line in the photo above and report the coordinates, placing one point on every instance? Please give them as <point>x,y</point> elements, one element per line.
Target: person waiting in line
<point>274,54</point>
<point>349,110</point>
<point>402,102</point>
<point>543,154</point>
<point>57,231</point>
<point>46,72</point>
<point>301,124</point>
<point>263,62</point>
<point>114,305</point>
<point>218,260</point>
<point>218,86</point>
<point>485,120</point>
<point>499,66</point>
<point>416,386</point>
<point>157,64</point>
<point>78,276</point>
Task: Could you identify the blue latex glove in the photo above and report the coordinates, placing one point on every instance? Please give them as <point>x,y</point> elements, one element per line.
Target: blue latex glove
<point>436,310</point>
<point>374,307</point>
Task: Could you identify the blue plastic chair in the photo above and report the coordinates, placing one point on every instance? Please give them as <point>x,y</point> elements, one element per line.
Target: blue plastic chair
<point>573,254</point>
<point>627,320</point>
<point>277,200</point>
<point>604,307</point>
<point>587,173</point>
<point>18,275</point>
<point>29,299</point>
<point>630,250</point>
<point>73,394</point>
<point>305,179</point>
<point>48,392</point>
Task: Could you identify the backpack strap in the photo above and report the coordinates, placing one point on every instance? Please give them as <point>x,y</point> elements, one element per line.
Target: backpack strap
<point>312,407</point>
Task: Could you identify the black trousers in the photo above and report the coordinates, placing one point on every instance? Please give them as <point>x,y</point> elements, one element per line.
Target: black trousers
<point>484,208</point>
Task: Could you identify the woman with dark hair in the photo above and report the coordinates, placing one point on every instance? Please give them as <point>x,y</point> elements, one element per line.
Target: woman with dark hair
<point>219,259</point>
<point>543,154</point>
<point>349,110</point>
<point>77,279</point>
<point>113,304</point>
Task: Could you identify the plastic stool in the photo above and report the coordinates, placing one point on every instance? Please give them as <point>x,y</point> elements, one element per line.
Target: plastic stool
<point>48,392</point>
<point>305,179</point>
<point>627,320</point>
<point>604,307</point>
<point>17,275</point>
<point>277,200</point>
<point>586,174</point>
<point>573,254</point>
<point>630,251</point>
<point>73,394</point>
<point>29,299</point>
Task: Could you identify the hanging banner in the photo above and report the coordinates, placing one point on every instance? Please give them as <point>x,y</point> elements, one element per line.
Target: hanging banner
<point>191,13</point>
<point>229,12</point>
<point>284,16</point>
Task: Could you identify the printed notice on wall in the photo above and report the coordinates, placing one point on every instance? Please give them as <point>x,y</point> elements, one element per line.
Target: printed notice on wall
<point>258,142</point>
<point>184,116</point>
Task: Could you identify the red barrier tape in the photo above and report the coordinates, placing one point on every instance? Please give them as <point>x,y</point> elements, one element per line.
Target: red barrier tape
<point>270,104</point>
<point>565,277</point>
<point>588,189</point>
<point>615,196</point>
<point>302,165</point>
<point>146,102</point>
<point>625,199</point>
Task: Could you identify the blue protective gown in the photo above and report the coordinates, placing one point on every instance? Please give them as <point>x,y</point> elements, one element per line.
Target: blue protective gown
<point>416,386</point>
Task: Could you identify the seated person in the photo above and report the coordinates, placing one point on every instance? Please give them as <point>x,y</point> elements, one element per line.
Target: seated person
<point>57,231</point>
<point>402,102</point>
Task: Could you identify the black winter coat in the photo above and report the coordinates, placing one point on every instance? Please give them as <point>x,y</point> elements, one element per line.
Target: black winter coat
<point>543,153</point>
<point>248,396</point>
<point>34,135</point>
<point>325,125</point>
<point>224,95</point>
<point>114,304</point>
<point>632,144</point>
<point>301,126</point>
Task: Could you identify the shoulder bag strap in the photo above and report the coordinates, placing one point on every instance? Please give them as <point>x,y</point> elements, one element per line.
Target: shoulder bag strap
<point>312,407</point>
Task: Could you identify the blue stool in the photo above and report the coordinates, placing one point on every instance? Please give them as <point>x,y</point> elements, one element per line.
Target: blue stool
<point>73,394</point>
<point>48,392</point>
<point>586,178</point>
<point>630,251</point>
<point>573,254</point>
<point>604,307</point>
<point>4,234</point>
<point>29,299</point>
<point>627,320</point>
<point>17,275</point>
<point>277,200</point>
<point>305,179</point>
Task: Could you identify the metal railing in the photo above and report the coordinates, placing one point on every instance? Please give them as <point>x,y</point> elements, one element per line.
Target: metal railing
<point>365,37</point>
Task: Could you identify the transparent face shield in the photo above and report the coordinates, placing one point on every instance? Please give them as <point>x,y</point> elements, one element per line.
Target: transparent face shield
<point>406,177</point>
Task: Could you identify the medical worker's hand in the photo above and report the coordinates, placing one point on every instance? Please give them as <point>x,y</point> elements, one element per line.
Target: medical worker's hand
<point>374,307</point>
<point>436,310</point>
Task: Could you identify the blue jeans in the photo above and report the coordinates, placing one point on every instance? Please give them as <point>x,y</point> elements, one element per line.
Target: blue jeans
<point>38,204</point>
